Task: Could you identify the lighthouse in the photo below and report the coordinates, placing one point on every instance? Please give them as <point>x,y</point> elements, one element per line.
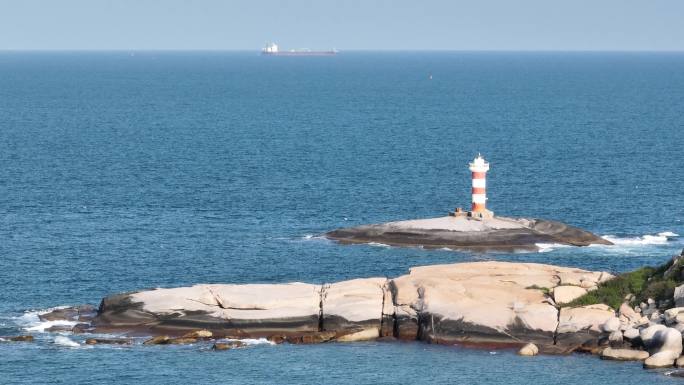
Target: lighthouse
<point>479,167</point>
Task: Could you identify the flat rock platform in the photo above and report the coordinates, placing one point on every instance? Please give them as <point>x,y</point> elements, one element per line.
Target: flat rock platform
<point>471,233</point>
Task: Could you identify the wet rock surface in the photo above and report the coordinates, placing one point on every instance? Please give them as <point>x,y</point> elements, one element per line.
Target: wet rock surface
<point>227,345</point>
<point>108,341</point>
<point>27,338</point>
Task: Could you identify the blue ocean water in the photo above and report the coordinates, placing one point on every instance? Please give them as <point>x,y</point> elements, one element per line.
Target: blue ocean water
<point>121,171</point>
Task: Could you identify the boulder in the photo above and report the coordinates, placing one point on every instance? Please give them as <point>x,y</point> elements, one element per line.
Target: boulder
<point>567,294</point>
<point>108,341</point>
<point>580,325</point>
<point>181,341</point>
<point>679,362</point>
<point>59,329</point>
<point>672,314</point>
<point>615,339</point>
<point>569,279</point>
<point>659,360</point>
<point>203,333</point>
<point>158,340</point>
<point>679,296</point>
<point>80,328</point>
<point>629,313</point>
<point>354,308</point>
<point>648,334</point>
<point>529,350</point>
<point>27,338</point>
<point>362,335</point>
<point>623,354</point>
<point>611,325</point>
<point>664,344</point>
<point>312,338</point>
<point>631,333</point>
<point>277,339</point>
<point>643,321</point>
<point>228,345</point>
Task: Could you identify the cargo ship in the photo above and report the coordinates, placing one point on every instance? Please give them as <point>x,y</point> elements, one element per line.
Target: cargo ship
<point>271,49</point>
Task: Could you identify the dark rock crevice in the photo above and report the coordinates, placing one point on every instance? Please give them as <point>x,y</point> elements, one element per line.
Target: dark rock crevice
<point>322,295</point>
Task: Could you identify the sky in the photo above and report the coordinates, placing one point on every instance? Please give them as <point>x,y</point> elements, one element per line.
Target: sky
<point>617,25</point>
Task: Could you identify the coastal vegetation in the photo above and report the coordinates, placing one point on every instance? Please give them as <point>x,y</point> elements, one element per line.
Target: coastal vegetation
<point>657,283</point>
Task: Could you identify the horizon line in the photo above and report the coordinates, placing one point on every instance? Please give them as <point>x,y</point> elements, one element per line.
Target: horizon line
<point>343,50</point>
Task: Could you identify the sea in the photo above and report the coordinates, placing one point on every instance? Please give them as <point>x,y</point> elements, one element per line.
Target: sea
<point>122,171</point>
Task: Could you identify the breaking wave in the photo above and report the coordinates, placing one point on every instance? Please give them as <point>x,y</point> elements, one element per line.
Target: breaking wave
<point>378,244</point>
<point>546,247</point>
<point>30,321</point>
<point>312,237</point>
<point>66,341</point>
<point>253,341</point>
<point>648,239</point>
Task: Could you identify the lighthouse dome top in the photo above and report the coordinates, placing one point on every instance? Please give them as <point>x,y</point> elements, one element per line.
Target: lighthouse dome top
<point>479,164</point>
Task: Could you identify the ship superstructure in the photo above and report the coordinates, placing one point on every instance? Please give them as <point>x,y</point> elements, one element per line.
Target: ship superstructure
<point>271,49</point>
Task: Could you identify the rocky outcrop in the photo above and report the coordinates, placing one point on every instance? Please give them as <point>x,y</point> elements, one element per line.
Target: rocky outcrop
<point>353,308</point>
<point>499,303</point>
<point>72,313</point>
<point>467,232</point>
<point>486,302</point>
<point>256,310</point>
<point>581,325</point>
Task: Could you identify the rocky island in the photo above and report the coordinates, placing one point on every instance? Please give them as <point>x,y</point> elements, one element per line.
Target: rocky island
<point>466,232</point>
<point>475,229</point>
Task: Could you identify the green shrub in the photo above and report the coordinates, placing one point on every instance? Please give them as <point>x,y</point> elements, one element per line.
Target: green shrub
<point>613,292</point>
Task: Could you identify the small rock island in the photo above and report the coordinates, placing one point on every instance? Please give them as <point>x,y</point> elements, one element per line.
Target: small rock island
<point>475,229</point>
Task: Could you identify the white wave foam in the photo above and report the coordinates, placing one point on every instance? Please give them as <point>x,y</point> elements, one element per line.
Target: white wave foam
<point>30,321</point>
<point>313,237</point>
<point>647,239</point>
<point>66,341</point>
<point>546,247</point>
<point>250,341</point>
<point>378,244</point>
<point>41,326</point>
<point>255,341</point>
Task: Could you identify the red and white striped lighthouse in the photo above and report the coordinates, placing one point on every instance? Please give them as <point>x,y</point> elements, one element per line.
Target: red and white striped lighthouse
<point>479,168</point>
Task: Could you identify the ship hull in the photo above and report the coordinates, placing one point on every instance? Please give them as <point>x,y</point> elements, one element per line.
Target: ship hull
<point>309,53</point>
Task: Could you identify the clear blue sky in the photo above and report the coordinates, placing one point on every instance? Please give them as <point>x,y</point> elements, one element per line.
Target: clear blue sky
<point>353,24</point>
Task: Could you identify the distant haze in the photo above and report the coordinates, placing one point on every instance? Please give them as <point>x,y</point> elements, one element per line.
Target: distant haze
<point>353,24</point>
